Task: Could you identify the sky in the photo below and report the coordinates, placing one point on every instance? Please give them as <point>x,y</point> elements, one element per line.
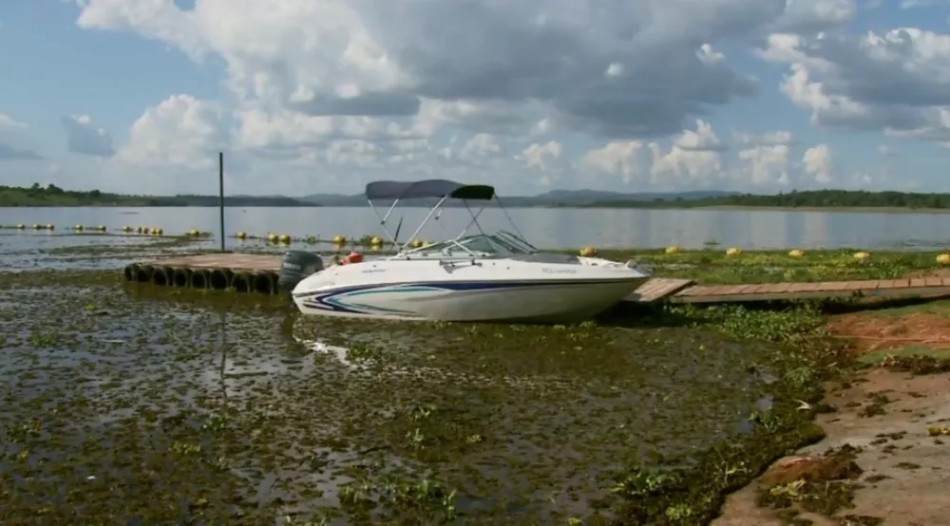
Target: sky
<point>322,96</point>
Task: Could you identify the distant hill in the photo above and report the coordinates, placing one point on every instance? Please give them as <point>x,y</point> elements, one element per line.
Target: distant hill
<point>552,198</point>
<point>52,195</point>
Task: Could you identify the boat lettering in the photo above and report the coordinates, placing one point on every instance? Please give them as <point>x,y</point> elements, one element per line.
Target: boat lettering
<point>373,270</point>
<point>559,270</point>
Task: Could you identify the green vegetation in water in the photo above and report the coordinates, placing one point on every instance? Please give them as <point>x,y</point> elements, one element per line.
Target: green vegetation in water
<point>52,195</point>
<point>771,266</point>
<point>800,199</point>
<point>915,359</point>
<point>125,402</point>
<point>824,486</point>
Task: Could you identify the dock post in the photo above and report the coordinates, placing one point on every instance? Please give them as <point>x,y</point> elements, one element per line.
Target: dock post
<point>221,194</point>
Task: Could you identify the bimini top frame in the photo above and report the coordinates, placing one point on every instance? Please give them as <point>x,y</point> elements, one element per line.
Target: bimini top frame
<point>432,188</point>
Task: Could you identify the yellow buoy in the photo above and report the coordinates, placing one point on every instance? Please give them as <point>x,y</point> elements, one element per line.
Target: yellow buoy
<point>126,228</point>
<point>733,251</point>
<point>797,253</point>
<point>102,228</point>
<point>588,252</point>
<point>285,239</point>
<point>78,227</point>
<point>944,259</point>
<point>376,241</point>
<point>37,227</point>
<point>672,250</point>
<point>21,226</point>
<point>339,240</point>
<point>193,232</point>
<point>242,235</point>
<point>271,237</point>
<point>861,256</point>
<point>50,227</point>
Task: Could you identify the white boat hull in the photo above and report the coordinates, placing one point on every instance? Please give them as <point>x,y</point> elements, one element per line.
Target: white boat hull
<point>489,290</point>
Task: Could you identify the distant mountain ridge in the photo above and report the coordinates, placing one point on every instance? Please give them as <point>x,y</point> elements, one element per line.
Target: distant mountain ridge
<point>551,198</point>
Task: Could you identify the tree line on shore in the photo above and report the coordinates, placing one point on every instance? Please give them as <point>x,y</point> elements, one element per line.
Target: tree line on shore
<point>803,199</point>
<point>52,195</point>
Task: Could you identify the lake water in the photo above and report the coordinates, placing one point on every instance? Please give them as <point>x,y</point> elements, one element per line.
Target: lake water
<point>544,227</point>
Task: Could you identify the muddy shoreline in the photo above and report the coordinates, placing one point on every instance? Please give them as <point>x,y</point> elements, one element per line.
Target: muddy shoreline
<point>891,410</point>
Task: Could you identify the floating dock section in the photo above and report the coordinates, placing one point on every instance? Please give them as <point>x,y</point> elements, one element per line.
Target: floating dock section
<point>234,271</point>
<point>257,273</point>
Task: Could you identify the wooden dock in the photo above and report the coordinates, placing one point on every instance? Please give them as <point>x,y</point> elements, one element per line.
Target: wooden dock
<point>884,288</point>
<point>258,273</point>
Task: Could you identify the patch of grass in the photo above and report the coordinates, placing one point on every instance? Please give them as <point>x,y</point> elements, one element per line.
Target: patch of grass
<point>876,405</point>
<point>917,364</point>
<point>904,355</point>
<point>768,266</point>
<point>860,520</point>
<point>826,489</point>
<point>938,431</point>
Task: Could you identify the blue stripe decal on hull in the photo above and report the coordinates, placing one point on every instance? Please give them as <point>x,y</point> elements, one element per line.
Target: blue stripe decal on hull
<point>334,300</point>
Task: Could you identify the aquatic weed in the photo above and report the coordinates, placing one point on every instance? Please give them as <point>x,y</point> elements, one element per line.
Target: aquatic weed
<point>218,399</point>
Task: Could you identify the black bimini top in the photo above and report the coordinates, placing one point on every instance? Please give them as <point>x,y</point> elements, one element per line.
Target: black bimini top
<point>427,188</point>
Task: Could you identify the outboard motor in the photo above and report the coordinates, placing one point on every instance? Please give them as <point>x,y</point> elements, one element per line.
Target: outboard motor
<point>295,266</point>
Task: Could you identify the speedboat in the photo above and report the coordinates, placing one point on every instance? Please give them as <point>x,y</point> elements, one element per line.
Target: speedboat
<point>496,276</point>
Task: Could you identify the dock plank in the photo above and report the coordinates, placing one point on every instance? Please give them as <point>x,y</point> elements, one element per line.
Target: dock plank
<point>233,261</point>
<point>921,287</point>
<point>657,289</point>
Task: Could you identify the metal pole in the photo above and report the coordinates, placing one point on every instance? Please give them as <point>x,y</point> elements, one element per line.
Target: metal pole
<point>221,194</point>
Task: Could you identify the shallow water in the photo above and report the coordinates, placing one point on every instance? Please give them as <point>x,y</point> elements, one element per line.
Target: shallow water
<point>121,401</point>
<point>543,227</point>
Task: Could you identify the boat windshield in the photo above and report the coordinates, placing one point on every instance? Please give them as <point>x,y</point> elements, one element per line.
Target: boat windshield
<point>482,245</point>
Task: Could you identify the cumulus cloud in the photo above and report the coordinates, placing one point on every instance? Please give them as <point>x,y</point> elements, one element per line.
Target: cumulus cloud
<point>498,89</point>
<point>9,123</point>
<point>695,157</point>
<point>9,153</point>
<point>809,16</point>
<point>179,131</point>
<point>818,163</point>
<point>84,137</point>
<point>698,158</point>
<point>622,68</point>
<point>765,158</point>
<point>887,151</point>
<point>630,160</point>
<point>897,81</point>
<point>10,127</point>
<point>541,156</point>
<point>911,4</point>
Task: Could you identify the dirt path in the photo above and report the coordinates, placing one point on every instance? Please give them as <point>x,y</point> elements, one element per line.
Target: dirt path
<point>897,422</point>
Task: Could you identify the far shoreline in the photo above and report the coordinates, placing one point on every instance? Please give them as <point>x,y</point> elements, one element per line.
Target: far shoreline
<point>724,208</point>
<point>856,209</point>
<point>736,208</point>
